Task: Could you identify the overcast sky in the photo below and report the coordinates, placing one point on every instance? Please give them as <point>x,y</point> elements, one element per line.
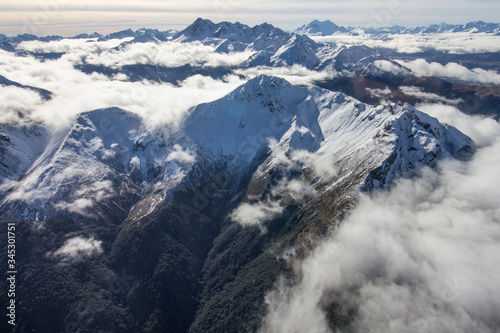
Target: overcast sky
<point>70,17</point>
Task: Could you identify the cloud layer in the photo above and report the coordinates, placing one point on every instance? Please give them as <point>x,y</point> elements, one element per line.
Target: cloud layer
<point>453,43</point>
<point>161,103</point>
<point>420,258</point>
<point>75,92</point>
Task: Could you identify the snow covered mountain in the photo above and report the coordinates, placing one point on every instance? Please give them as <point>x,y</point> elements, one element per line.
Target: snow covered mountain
<point>264,45</point>
<point>273,47</point>
<point>320,28</point>
<point>471,27</point>
<point>327,28</point>
<point>110,166</point>
<point>100,167</point>
<point>213,33</point>
<point>193,221</point>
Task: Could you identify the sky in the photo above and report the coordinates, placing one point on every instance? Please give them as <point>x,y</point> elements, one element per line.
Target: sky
<point>68,18</point>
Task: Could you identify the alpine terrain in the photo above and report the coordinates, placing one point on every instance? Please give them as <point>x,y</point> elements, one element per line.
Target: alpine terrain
<point>128,227</point>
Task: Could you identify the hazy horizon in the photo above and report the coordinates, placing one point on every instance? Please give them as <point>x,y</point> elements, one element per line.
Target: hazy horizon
<point>60,17</point>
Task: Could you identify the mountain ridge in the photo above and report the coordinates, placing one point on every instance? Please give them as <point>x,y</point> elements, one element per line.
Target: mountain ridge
<point>328,28</point>
<point>238,127</point>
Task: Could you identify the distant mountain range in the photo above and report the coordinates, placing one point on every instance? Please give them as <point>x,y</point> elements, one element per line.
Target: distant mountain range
<point>314,28</point>
<point>272,47</point>
<point>326,28</point>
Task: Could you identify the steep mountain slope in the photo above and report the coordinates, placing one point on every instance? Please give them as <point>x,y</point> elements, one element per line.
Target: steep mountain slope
<point>20,147</point>
<point>99,167</point>
<point>312,172</point>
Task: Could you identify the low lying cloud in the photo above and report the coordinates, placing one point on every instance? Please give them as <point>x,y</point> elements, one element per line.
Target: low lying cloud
<point>420,93</point>
<point>67,45</point>
<point>452,70</point>
<point>255,214</point>
<point>483,131</point>
<point>388,66</point>
<point>17,104</point>
<point>181,156</point>
<point>419,258</point>
<point>379,93</point>
<point>170,54</point>
<point>298,159</point>
<point>77,249</point>
<point>86,196</point>
<point>296,74</point>
<point>453,43</point>
<point>75,92</point>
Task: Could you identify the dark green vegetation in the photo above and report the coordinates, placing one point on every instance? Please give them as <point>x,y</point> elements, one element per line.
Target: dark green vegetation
<point>187,268</point>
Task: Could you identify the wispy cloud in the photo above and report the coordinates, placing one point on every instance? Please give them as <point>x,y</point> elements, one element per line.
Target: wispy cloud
<point>77,249</point>
<point>419,92</point>
<point>86,196</point>
<point>254,214</point>
<point>296,74</point>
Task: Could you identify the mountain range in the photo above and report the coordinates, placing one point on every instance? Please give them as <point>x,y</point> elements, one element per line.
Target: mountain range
<point>124,224</point>
<point>130,168</point>
<point>327,28</point>
<point>175,205</point>
<point>226,30</point>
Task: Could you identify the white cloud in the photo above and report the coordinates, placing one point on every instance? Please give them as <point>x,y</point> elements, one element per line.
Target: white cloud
<point>168,55</point>
<point>74,46</point>
<point>452,70</point>
<point>75,92</point>
<point>387,66</point>
<point>79,206</point>
<point>482,130</point>
<point>182,156</point>
<point>321,166</point>
<point>453,43</point>
<point>85,197</point>
<point>419,258</point>
<point>379,93</point>
<point>17,103</point>
<point>254,214</point>
<point>296,74</point>
<point>77,249</point>
<point>420,93</point>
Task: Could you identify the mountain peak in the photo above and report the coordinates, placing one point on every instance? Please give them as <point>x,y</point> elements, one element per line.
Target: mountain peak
<point>199,29</point>
<point>320,28</point>
<point>241,123</point>
<point>267,83</point>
